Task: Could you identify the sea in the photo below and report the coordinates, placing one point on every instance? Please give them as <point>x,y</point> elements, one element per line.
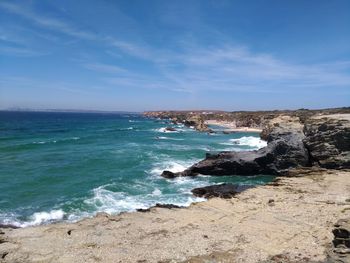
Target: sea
<point>57,166</point>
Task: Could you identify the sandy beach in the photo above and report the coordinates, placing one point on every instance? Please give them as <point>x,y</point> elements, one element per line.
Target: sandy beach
<point>231,126</point>
<point>293,217</point>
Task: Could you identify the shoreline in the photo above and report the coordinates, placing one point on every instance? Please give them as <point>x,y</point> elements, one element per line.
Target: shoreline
<point>231,126</point>
<point>292,216</point>
<point>289,220</point>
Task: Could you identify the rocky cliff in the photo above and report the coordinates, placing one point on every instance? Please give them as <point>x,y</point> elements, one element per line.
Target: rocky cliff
<point>295,140</point>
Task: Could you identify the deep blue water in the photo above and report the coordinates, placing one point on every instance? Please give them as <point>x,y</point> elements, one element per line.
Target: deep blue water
<point>66,166</point>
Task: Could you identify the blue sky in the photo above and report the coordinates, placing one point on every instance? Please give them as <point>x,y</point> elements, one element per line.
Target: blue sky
<point>150,55</point>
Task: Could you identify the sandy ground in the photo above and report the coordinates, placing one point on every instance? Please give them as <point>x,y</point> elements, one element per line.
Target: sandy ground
<point>294,218</point>
<point>231,126</point>
<point>340,116</point>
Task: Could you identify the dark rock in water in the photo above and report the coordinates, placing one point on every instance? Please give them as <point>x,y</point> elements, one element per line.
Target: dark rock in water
<point>198,123</point>
<point>168,174</point>
<point>220,190</point>
<point>285,150</point>
<point>170,129</point>
<point>328,141</point>
<point>297,140</point>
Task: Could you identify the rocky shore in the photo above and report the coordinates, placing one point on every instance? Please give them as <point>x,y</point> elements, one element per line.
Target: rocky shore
<point>303,216</point>
<point>293,141</point>
<point>289,220</point>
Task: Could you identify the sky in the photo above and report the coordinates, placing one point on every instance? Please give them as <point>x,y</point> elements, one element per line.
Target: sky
<point>160,55</point>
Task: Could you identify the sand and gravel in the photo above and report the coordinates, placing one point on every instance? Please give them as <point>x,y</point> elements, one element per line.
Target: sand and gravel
<point>231,126</point>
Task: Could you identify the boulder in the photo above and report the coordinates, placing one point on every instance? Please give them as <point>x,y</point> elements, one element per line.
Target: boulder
<point>171,129</point>
<point>220,190</point>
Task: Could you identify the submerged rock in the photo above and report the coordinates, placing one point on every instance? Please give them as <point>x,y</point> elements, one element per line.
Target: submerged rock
<point>171,129</point>
<point>220,190</point>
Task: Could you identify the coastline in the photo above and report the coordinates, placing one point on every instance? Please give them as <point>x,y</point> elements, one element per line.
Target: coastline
<point>292,217</point>
<point>288,220</point>
<point>231,126</point>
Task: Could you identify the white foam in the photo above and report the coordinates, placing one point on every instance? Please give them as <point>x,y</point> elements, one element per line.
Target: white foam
<point>163,129</point>
<point>41,142</point>
<point>250,141</point>
<point>169,166</point>
<point>110,202</point>
<point>168,138</point>
<point>156,192</point>
<point>37,218</point>
<point>59,140</point>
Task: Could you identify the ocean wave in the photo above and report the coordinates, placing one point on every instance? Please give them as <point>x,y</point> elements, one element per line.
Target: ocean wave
<point>170,165</point>
<point>36,219</point>
<point>163,129</point>
<point>110,202</point>
<point>168,138</point>
<point>57,140</point>
<point>250,141</point>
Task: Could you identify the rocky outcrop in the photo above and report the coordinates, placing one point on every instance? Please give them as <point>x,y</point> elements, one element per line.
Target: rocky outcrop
<point>292,142</point>
<point>328,141</point>
<point>340,249</point>
<point>169,129</point>
<point>285,150</point>
<point>220,190</point>
<point>197,122</point>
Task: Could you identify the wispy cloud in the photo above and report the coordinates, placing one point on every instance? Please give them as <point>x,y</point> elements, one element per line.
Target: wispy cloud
<point>71,30</point>
<point>105,68</point>
<point>47,22</point>
<point>20,51</point>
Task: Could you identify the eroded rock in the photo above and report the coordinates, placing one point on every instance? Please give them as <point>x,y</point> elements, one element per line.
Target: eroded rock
<point>220,190</point>
<point>285,150</point>
<point>328,141</point>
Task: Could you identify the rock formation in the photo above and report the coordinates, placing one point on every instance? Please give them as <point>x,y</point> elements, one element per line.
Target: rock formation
<point>340,249</point>
<point>285,150</point>
<point>220,190</point>
<point>328,141</point>
<point>293,141</point>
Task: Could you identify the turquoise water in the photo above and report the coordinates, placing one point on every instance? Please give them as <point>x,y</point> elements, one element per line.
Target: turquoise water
<point>66,166</point>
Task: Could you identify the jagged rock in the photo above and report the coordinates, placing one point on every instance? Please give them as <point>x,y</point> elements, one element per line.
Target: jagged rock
<point>197,122</point>
<point>168,174</point>
<point>220,190</point>
<point>285,150</point>
<point>171,129</point>
<point>328,141</point>
<point>339,251</point>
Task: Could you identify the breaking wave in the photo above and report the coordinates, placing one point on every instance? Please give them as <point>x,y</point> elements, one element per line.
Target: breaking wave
<point>250,141</point>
